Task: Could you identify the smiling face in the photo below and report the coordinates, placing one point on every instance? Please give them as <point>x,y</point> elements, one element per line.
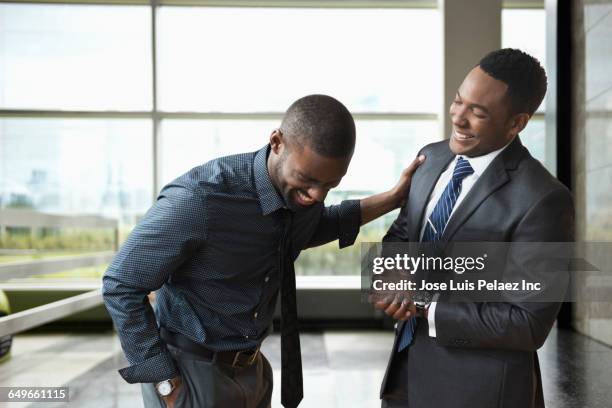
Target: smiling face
<point>302,176</point>
<point>482,117</point>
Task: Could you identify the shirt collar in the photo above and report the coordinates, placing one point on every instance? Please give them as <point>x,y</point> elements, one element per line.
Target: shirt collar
<point>480,163</point>
<point>269,199</point>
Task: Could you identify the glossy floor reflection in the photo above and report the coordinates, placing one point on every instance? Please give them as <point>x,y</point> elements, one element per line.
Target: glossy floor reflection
<point>341,369</point>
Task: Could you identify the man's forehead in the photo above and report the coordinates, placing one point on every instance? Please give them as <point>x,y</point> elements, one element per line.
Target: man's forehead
<point>317,167</point>
<point>479,87</point>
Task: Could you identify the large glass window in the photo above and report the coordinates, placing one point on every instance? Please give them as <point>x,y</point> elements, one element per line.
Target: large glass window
<point>207,64</point>
<point>262,59</point>
<point>188,143</point>
<point>76,166</point>
<point>531,38</point>
<point>73,182</point>
<point>75,57</point>
<point>56,173</point>
<point>100,135</point>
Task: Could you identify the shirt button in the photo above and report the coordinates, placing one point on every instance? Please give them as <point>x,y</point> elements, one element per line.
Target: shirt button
<point>255,315</point>
<point>246,337</point>
<point>267,278</point>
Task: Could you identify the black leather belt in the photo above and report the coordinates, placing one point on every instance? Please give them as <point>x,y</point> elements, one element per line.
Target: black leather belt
<point>243,358</point>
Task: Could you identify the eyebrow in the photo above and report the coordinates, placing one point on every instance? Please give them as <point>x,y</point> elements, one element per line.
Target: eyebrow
<point>305,177</point>
<point>475,105</point>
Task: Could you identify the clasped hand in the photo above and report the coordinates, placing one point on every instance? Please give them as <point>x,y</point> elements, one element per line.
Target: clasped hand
<point>397,306</point>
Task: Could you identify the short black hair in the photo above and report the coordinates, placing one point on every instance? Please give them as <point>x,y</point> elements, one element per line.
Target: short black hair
<point>524,75</point>
<point>322,123</point>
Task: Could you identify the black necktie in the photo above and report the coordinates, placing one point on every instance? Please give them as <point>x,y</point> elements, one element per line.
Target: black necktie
<point>291,357</point>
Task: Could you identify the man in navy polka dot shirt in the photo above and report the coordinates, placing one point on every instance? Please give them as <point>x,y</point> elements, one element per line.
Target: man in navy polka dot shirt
<point>215,245</point>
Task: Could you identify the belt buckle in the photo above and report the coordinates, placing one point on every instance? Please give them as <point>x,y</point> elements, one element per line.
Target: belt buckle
<point>249,362</point>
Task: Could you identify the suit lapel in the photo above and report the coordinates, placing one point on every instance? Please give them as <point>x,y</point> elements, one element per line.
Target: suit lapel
<point>422,187</point>
<point>495,176</point>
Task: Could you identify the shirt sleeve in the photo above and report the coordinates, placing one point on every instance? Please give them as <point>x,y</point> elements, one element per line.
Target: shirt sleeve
<point>162,241</point>
<point>431,315</point>
<point>340,222</point>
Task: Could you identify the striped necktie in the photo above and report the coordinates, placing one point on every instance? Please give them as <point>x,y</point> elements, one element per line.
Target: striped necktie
<point>435,228</point>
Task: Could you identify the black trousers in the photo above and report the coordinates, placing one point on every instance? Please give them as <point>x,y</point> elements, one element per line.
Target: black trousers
<point>395,394</point>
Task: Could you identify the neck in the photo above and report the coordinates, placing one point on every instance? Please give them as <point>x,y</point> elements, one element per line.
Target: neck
<point>271,165</point>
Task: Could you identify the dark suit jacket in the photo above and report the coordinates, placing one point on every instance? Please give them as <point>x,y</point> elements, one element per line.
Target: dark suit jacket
<point>484,354</point>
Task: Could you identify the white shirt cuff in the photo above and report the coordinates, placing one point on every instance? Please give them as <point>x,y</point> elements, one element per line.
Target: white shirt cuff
<point>431,315</point>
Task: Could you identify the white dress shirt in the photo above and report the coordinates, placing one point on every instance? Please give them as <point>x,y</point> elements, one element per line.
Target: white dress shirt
<point>479,164</point>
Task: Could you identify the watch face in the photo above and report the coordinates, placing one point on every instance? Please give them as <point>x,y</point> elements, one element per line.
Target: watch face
<point>164,388</point>
<point>420,304</point>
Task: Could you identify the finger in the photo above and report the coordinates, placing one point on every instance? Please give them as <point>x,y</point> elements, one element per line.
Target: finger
<point>379,296</point>
<point>409,171</point>
<point>393,307</point>
<point>383,304</point>
<point>401,312</point>
<point>415,164</point>
<point>410,310</point>
<point>405,316</point>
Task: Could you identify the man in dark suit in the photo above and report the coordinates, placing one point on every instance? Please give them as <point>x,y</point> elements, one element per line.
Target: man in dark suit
<point>481,185</point>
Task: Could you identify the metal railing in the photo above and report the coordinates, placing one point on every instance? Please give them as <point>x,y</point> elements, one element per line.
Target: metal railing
<point>33,220</point>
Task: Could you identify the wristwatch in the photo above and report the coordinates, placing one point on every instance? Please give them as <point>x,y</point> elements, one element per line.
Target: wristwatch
<point>165,388</point>
<point>422,301</point>
<point>421,307</point>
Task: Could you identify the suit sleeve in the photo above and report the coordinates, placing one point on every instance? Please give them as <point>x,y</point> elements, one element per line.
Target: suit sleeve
<point>161,242</point>
<point>514,325</point>
<point>398,231</point>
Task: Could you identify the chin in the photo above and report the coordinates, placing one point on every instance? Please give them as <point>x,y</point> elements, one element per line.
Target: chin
<point>290,202</point>
<point>470,149</point>
<point>294,205</point>
<point>459,149</point>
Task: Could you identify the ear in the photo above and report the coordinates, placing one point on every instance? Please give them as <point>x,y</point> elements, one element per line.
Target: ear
<point>519,121</point>
<point>276,141</point>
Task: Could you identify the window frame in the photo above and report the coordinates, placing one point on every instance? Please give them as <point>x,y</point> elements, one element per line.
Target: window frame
<point>157,116</point>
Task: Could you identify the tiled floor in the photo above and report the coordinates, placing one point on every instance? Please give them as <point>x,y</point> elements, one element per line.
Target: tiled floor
<point>341,369</point>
